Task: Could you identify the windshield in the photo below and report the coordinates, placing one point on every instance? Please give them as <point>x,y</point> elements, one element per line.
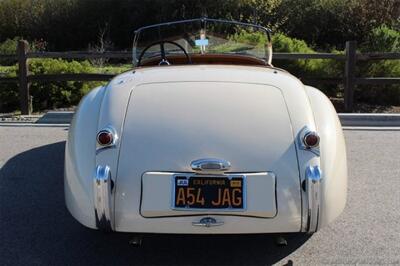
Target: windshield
<point>201,36</point>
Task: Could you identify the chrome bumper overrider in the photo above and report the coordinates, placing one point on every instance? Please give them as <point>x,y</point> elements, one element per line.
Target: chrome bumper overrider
<point>102,189</point>
<point>313,180</point>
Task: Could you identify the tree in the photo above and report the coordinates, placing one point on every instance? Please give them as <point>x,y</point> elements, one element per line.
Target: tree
<point>329,23</point>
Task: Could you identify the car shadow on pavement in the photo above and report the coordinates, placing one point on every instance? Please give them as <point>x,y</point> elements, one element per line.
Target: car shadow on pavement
<point>36,227</point>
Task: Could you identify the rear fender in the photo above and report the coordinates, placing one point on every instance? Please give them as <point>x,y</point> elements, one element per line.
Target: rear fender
<point>80,158</point>
<point>333,156</point>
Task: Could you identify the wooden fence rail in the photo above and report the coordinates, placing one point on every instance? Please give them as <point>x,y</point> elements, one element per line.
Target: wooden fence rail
<point>350,57</point>
<point>80,55</point>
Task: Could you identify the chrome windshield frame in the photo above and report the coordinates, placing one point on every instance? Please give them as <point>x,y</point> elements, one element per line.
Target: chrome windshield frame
<point>267,31</point>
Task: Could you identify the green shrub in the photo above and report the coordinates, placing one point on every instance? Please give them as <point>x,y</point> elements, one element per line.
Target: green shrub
<point>381,94</point>
<point>315,68</point>
<point>48,95</point>
<point>281,43</point>
<point>255,38</point>
<point>381,39</point>
<point>61,93</point>
<point>284,44</point>
<point>8,91</point>
<point>8,47</point>
<point>9,100</point>
<point>8,71</point>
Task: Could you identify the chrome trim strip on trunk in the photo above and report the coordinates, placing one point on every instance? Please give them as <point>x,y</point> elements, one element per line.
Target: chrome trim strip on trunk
<point>313,180</point>
<point>210,164</point>
<point>102,189</point>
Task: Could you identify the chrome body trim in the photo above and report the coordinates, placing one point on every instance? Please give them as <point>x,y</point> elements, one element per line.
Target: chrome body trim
<point>102,190</point>
<point>313,180</point>
<point>208,222</point>
<point>301,136</point>
<point>210,164</point>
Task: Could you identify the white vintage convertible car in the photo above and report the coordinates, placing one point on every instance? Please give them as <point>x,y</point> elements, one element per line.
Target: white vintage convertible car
<point>205,136</point>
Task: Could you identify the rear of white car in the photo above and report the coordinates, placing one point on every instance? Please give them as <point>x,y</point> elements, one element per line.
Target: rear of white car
<point>203,149</point>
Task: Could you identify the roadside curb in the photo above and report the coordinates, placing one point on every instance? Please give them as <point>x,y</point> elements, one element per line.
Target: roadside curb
<point>32,125</point>
<point>348,121</point>
<point>370,120</point>
<point>56,117</point>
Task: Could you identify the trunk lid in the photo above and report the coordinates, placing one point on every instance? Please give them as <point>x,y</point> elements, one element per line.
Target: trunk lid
<point>169,125</point>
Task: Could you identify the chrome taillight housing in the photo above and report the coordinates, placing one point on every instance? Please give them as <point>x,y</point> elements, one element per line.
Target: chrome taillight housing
<point>106,137</point>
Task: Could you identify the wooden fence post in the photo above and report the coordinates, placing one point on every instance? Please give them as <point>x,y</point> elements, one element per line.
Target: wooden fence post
<point>349,75</point>
<point>22,50</point>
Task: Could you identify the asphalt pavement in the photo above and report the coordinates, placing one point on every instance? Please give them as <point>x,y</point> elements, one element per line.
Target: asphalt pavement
<point>36,228</point>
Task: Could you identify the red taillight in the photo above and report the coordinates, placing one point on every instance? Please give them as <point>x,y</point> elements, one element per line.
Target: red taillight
<point>105,138</point>
<point>311,140</point>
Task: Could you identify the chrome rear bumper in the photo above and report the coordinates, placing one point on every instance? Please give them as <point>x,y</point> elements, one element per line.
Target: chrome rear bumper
<point>102,186</point>
<point>102,190</point>
<point>313,180</point>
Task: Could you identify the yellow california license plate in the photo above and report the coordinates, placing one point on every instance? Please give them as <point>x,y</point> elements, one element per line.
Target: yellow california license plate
<point>207,192</point>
